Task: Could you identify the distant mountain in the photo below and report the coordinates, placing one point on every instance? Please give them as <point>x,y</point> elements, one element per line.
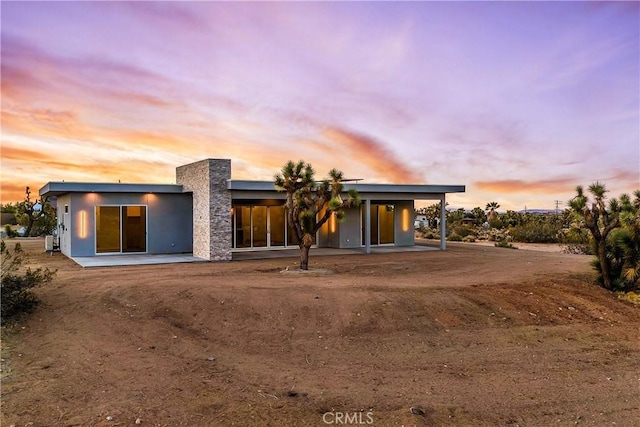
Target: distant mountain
<point>531,211</point>
<point>540,211</point>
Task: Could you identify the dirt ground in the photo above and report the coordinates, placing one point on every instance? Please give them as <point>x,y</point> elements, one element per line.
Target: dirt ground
<point>473,336</point>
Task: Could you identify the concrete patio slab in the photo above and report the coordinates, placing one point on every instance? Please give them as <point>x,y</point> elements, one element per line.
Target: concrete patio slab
<point>137,259</point>
<point>148,259</point>
<point>294,253</point>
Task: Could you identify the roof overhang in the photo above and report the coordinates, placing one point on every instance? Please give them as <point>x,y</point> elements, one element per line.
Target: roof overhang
<point>59,188</point>
<point>267,190</point>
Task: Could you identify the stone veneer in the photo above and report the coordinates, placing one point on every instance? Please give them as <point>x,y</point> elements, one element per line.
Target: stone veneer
<point>207,180</point>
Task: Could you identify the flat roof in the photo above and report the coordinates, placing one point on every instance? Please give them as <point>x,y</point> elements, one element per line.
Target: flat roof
<point>59,188</point>
<point>255,189</point>
<point>266,189</point>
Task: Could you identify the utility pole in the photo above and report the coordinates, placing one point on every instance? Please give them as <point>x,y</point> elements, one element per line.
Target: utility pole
<point>557,202</point>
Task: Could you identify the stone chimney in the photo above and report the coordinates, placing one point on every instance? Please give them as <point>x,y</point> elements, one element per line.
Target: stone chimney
<point>207,180</point>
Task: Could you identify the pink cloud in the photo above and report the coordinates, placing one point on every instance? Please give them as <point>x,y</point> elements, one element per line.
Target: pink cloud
<point>371,153</point>
<point>521,186</point>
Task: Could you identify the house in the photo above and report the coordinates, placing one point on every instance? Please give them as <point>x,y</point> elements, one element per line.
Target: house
<point>210,215</point>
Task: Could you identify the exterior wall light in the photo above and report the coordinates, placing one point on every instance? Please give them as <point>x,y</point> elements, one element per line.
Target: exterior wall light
<point>405,219</point>
<point>82,225</point>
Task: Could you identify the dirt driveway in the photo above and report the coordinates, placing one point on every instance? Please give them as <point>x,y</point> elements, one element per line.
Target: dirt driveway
<point>474,336</point>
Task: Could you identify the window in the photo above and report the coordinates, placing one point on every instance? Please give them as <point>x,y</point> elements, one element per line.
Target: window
<point>261,226</point>
<point>121,229</point>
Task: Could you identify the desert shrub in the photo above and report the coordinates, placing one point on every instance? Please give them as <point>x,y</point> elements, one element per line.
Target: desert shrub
<point>430,234</point>
<point>504,244</point>
<point>577,249</point>
<point>10,232</point>
<point>494,235</point>
<point>17,285</point>
<point>496,223</point>
<point>465,230</point>
<point>454,237</point>
<point>576,241</point>
<point>632,297</point>
<point>469,239</point>
<point>532,232</point>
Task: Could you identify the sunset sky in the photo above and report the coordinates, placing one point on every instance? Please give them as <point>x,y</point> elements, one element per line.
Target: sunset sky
<point>519,101</point>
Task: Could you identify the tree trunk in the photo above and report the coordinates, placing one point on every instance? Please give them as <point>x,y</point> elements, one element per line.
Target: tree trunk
<point>304,257</point>
<point>29,227</point>
<point>604,264</point>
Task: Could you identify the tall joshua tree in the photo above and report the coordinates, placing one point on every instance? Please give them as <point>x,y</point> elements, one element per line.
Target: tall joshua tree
<point>600,220</point>
<point>627,239</point>
<point>310,203</point>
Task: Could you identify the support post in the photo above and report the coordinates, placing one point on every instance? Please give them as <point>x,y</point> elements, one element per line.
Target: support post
<point>443,222</point>
<point>367,226</point>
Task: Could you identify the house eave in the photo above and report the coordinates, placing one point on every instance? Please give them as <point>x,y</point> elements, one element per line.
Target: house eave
<point>59,188</point>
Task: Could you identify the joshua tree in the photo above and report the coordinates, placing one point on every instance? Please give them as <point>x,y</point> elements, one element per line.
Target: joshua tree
<point>479,216</point>
<point>625,242</point>
<point>432,212</point>
<point>600,220</point>
<point>310,204</point>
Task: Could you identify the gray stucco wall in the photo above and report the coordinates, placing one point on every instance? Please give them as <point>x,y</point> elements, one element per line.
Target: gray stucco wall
<point>326,237</point>
<point>351,229</point>
<point>404,231</point>
<point>347,234</point>
<point>207,180</point>
<point>169,223</point>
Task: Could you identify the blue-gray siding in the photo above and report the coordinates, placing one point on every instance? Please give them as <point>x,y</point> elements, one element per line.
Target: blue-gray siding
<point>169,221</point>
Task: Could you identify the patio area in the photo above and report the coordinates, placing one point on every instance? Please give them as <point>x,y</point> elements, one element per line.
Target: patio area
<point>294,253</point>
<point>148,259</point>
<point>134,259</point>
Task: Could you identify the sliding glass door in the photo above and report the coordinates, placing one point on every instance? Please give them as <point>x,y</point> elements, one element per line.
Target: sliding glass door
<point>382,230</point>
<point>259,226</point>
<point>107,229</point>
<point>134,229</point>
<point>276,226</point>
<point>121,229</point>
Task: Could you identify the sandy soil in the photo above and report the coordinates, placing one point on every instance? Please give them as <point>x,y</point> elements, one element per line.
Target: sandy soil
<point>474,336</point>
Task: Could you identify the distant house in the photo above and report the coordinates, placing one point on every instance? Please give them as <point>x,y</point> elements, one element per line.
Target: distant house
<point>8,218</point>
<point>211,215</point>
<point>420,221</point>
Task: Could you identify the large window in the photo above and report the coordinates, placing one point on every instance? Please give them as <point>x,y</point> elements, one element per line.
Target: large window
<point>260,226</point>
<point>277,225</point>
<point>121,229</point>
<point>386,223</point>
<point>242,226</point>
